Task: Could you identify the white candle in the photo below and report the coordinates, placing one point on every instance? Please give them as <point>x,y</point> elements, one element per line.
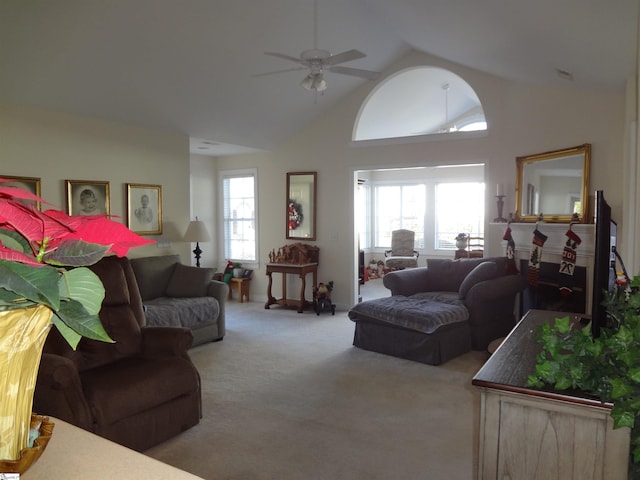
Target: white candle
<point>500,190</point>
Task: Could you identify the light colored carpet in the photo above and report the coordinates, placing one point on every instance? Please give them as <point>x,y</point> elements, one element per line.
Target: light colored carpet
<point>374,289</point>
<point>286,396</point>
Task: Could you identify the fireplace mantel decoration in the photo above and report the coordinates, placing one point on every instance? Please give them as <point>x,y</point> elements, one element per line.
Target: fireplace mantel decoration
<point>295,254</point>
<point>556,236</point>
<point>522,234</point>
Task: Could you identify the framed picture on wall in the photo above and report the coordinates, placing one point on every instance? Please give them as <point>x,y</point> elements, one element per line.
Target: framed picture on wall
<point>87,197</point>
<point>32,184</point>
<point>144,208</point>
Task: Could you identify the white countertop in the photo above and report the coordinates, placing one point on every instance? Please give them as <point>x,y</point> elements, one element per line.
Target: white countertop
<point>73,453</point>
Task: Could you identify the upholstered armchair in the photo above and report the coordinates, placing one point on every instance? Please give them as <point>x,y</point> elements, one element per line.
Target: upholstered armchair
<point>138,391</point>
<point>402,253</point>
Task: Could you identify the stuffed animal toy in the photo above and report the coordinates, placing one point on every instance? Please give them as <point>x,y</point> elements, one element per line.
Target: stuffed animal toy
<point>322,298</point>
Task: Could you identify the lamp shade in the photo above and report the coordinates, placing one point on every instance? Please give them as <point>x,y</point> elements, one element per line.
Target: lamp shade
<point>196,232</point>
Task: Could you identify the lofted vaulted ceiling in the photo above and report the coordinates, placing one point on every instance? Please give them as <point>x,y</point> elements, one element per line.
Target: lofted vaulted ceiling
<point>190,65</point>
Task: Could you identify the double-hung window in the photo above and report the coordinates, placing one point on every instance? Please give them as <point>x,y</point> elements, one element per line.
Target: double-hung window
<point>239,216</point>
<point>396,207</point>
<point>459,208</point>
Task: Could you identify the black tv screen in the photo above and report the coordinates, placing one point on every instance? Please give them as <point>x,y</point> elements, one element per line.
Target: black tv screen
<point>604,271</point>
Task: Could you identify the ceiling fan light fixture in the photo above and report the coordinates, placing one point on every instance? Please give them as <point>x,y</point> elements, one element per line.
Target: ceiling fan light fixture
<point>314,82</point>
<point>318,61</point>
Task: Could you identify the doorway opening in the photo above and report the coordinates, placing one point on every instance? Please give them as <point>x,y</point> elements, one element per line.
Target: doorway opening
<point>437,203</point>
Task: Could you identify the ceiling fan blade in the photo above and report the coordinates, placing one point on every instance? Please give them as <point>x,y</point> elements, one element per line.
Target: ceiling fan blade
<point>356,72</point>
<point>294,69</point>
<point>344,57</point>
<point>285,57</point>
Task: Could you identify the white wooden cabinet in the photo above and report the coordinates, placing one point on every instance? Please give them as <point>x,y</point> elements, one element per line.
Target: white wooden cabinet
<point>528,434</point>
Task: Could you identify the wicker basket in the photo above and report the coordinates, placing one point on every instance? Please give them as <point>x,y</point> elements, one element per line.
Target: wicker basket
<point>28,456</point>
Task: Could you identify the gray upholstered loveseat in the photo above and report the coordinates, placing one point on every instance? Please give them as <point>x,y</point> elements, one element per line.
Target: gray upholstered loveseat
<point>441,311</point>
<point>178,295</point>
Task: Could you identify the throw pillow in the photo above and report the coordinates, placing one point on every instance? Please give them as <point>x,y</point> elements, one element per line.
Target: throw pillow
<point>153,274</point>
<point>484,271</point>
<point>189,281</point>
<point>447,275</point>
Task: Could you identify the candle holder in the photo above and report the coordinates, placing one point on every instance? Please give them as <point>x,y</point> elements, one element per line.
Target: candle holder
<point>500,204</point>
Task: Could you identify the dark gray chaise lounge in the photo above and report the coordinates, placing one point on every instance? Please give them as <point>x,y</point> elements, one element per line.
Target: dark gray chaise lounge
<point>441,311</point>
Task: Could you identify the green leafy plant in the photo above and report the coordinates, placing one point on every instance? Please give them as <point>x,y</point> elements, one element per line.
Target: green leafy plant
<point>43,260</point>
<point>607,367</point>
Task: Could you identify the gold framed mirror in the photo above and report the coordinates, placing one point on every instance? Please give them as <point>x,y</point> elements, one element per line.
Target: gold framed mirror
<point>301,205</point>
<point>554,186</point>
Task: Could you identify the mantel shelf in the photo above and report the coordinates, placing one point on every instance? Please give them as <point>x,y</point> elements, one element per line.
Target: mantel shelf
<point>522,234</point>
<point>584,226</point>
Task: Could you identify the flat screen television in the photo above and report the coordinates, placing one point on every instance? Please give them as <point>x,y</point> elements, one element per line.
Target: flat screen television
<point>604,271</point>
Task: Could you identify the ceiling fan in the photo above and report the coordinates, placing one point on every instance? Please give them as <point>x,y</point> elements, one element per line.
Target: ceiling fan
<point>318,61</point>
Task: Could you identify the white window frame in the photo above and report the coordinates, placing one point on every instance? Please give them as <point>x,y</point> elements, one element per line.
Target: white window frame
<point>480,226</point>
<point>430,221</point>
<point>363,217</point>
<point>226,174</point>
<point>374,202</point>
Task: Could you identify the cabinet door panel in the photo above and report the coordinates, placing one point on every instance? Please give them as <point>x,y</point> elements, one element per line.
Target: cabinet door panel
<point>548,442</point>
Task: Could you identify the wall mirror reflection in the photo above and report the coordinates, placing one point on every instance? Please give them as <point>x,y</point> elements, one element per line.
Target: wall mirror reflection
<point>301,205</point>
<point>554,186</point>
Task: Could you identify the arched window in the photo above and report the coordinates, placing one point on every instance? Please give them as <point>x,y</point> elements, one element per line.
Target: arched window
<point>419,101</point>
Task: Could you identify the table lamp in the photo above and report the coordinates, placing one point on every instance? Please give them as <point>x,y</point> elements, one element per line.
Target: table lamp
<point>197,232</point>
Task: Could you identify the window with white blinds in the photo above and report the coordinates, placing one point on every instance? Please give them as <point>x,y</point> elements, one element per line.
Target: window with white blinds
<point>239,191</point>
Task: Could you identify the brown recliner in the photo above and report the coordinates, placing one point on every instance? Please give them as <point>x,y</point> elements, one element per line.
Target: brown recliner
<point>138,391</point>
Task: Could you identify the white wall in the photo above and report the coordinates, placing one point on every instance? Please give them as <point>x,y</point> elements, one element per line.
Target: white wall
<point>58,147</point>
<point>204,205</point>
<point>523,120</point>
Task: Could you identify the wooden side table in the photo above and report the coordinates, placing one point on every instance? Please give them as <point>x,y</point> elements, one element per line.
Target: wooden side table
<point>241,285</point>
<point>301,271</point>
<point>460,253</point>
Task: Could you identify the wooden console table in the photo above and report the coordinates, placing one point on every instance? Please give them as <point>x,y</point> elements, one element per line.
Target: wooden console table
<point>299,270</point>
<point>527,433</point>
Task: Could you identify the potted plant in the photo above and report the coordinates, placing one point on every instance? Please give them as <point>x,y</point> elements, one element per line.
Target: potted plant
<point>607,367</point>
<point>461,241</point>
<point>237,269</point>
<point>44,281</point>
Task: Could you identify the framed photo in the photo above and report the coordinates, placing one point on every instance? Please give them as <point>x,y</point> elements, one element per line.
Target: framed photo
<point>87,197</point>
<point>28,183</point>
<point>247,274</point>
<point>144,208</point>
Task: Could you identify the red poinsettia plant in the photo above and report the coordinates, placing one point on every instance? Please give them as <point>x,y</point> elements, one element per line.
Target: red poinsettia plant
<point>43,260</point>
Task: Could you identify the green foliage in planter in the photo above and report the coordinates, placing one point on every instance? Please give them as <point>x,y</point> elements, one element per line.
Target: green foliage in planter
<point>607,367</point>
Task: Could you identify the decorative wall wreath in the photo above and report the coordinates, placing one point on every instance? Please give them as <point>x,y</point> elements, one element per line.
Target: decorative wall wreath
<point>295,214</point>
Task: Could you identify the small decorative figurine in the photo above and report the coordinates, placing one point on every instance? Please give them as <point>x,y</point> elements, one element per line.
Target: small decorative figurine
<point>322,298</point>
